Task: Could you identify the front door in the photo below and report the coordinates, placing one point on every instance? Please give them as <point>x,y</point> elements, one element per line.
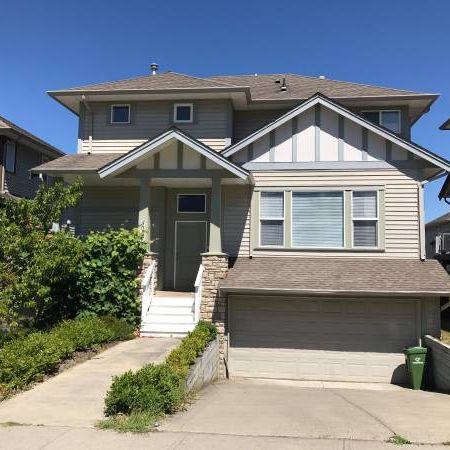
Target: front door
<point>190,242</point>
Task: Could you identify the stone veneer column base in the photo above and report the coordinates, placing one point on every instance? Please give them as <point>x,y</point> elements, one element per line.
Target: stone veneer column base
<point>213,304</point>
<point>146,263</point>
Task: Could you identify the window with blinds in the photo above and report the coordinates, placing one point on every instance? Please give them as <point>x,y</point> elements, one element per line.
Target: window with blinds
<point>318,219</point>
<point>365,219</point>
<point>272,219</point>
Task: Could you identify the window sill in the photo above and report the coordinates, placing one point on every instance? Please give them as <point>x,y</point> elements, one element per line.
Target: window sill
<point>322,249</point>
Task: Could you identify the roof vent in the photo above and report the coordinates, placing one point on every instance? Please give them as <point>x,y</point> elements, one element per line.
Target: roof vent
<point>322,77</point>
<point>283,85</point>
<point>154,68</point>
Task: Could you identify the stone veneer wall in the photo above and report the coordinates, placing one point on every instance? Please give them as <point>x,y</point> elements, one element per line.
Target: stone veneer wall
<point>148,259</point>
<point>213,305</point>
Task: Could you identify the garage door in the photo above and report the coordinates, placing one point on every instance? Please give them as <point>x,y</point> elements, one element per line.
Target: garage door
<point>320,339</point>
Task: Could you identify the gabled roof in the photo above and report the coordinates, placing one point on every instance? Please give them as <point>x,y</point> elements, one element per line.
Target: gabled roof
<point>267,87</point>
<point>441,219</point>
<point>445,125</point>
<point>7,125</point>
<point>320,99</point>
<point>153,146</point>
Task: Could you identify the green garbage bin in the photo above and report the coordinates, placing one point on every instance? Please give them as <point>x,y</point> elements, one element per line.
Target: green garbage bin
<point>415,361</point>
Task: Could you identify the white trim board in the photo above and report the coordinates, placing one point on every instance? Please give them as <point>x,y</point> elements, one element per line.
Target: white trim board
<point>319,99</point>
<point>151,147</point>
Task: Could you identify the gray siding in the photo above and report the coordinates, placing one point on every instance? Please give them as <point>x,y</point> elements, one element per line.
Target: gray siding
<point>246,122</point>
<point>236,220</point>
<point>439,361</point>
<point>212,124</point>
<point>20,184</point>
<point>430,236</point>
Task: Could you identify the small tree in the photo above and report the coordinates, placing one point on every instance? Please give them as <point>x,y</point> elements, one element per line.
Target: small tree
<point>37,267</point>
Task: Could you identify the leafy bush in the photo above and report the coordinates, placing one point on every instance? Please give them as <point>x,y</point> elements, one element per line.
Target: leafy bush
<point>29,358</point>
<point>180,359</point>
<point>156,389</point>
<point>37,267</point>
<point>106,282</point>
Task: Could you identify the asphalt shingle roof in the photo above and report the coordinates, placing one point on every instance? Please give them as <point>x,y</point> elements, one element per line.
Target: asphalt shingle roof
<point>80,161</point>
<point>338,276</point>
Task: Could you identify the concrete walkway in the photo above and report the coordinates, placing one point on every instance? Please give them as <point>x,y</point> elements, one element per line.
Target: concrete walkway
<point>75,398</point>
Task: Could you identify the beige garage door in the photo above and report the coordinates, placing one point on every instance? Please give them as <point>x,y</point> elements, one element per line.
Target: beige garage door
<point>320,339</point>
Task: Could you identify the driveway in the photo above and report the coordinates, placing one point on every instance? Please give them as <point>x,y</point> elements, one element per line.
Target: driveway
<point>75,398</point>
<point>344,411</point>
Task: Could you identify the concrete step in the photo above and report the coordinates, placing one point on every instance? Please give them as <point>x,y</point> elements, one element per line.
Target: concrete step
<point>170,310</point>
<point>160,334</point>
<point>168,318</point>
<point>168,329</point>
<point>172,301</point>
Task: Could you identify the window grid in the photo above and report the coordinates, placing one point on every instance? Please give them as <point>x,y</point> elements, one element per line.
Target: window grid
<point>269,219</point>
<point>366,219</point>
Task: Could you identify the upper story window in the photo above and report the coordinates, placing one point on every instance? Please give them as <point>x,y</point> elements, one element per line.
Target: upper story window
<point>120,114</point>
<point>343,219</point>
<point>272,219</point>
<point>365,218</point>
<point>183,113</point>
<point>9,159</point>
<point>387,119</point>
<point>318,219</point>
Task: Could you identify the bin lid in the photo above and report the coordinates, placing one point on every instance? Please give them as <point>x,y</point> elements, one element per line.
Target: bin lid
<point>415,350</point>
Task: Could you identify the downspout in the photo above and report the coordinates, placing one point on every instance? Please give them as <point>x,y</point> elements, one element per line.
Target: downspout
<point>91,127</point>
<point>422,250</point>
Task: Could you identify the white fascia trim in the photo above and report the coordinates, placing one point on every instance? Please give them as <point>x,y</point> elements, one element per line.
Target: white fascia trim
<point>151,147</point>
<point>348,115</point>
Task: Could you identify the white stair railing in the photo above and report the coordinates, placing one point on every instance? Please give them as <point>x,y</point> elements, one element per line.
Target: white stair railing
<point>198,293</point>
<point>147,289</point>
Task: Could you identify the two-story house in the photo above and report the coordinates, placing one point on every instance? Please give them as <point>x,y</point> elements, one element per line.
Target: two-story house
<point>287,209</point>
<point>20,151</point>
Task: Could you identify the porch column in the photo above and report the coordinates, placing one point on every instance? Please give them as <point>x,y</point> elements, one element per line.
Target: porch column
<point>215,238</point>
<point>144,209</point>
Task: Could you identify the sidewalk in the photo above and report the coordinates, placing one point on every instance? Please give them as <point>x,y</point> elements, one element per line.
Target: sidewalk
<point>75,398</point>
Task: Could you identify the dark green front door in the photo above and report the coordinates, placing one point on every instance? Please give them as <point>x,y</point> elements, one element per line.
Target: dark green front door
<point>190,242</point>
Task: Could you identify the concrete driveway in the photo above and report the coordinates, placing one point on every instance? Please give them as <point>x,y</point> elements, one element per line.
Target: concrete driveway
<point>340,411</point>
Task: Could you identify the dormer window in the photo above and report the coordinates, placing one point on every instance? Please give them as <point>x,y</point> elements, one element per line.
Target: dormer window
<point>183,112</point>
<point>120,114</point>
<point>387,119</point>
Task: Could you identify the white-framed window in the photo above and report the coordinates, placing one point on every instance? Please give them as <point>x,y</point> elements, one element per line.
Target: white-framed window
<point>271,215</point>
<point>183,113</point>
<point>386,118</point>
<point>191,203</point>
<point>9,158</point>
<point>318,219</point>
<point>120,114</point>
<point>365,218</point>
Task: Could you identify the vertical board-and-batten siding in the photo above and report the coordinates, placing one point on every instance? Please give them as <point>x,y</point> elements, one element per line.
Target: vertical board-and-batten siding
<point>401,215</point>
<point>320,134</point>
<point>211,125</point>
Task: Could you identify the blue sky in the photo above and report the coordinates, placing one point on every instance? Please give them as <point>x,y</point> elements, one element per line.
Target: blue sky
<point>57,44</point>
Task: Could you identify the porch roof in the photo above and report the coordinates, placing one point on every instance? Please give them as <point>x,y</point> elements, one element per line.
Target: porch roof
<point>337,276</point>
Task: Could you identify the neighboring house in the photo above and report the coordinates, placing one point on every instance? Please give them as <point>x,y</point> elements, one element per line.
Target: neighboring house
<point>437,239</point>
<point>20,151</point>
<point>309,189</point>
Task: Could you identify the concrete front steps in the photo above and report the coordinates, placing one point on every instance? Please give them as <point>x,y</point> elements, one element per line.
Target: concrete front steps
<point>171,314</point>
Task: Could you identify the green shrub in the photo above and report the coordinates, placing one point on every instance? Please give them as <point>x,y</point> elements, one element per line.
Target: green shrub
<point>28,359</point>
<point>106,282</point>
<point>191,347</point>
<point>154,389</point>
<point>157,389</point>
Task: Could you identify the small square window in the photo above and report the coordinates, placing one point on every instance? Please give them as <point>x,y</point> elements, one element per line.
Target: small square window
<point>183,113</point>
<point>10,157</point>
<point>191,203</point>
<point>120,114</point>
